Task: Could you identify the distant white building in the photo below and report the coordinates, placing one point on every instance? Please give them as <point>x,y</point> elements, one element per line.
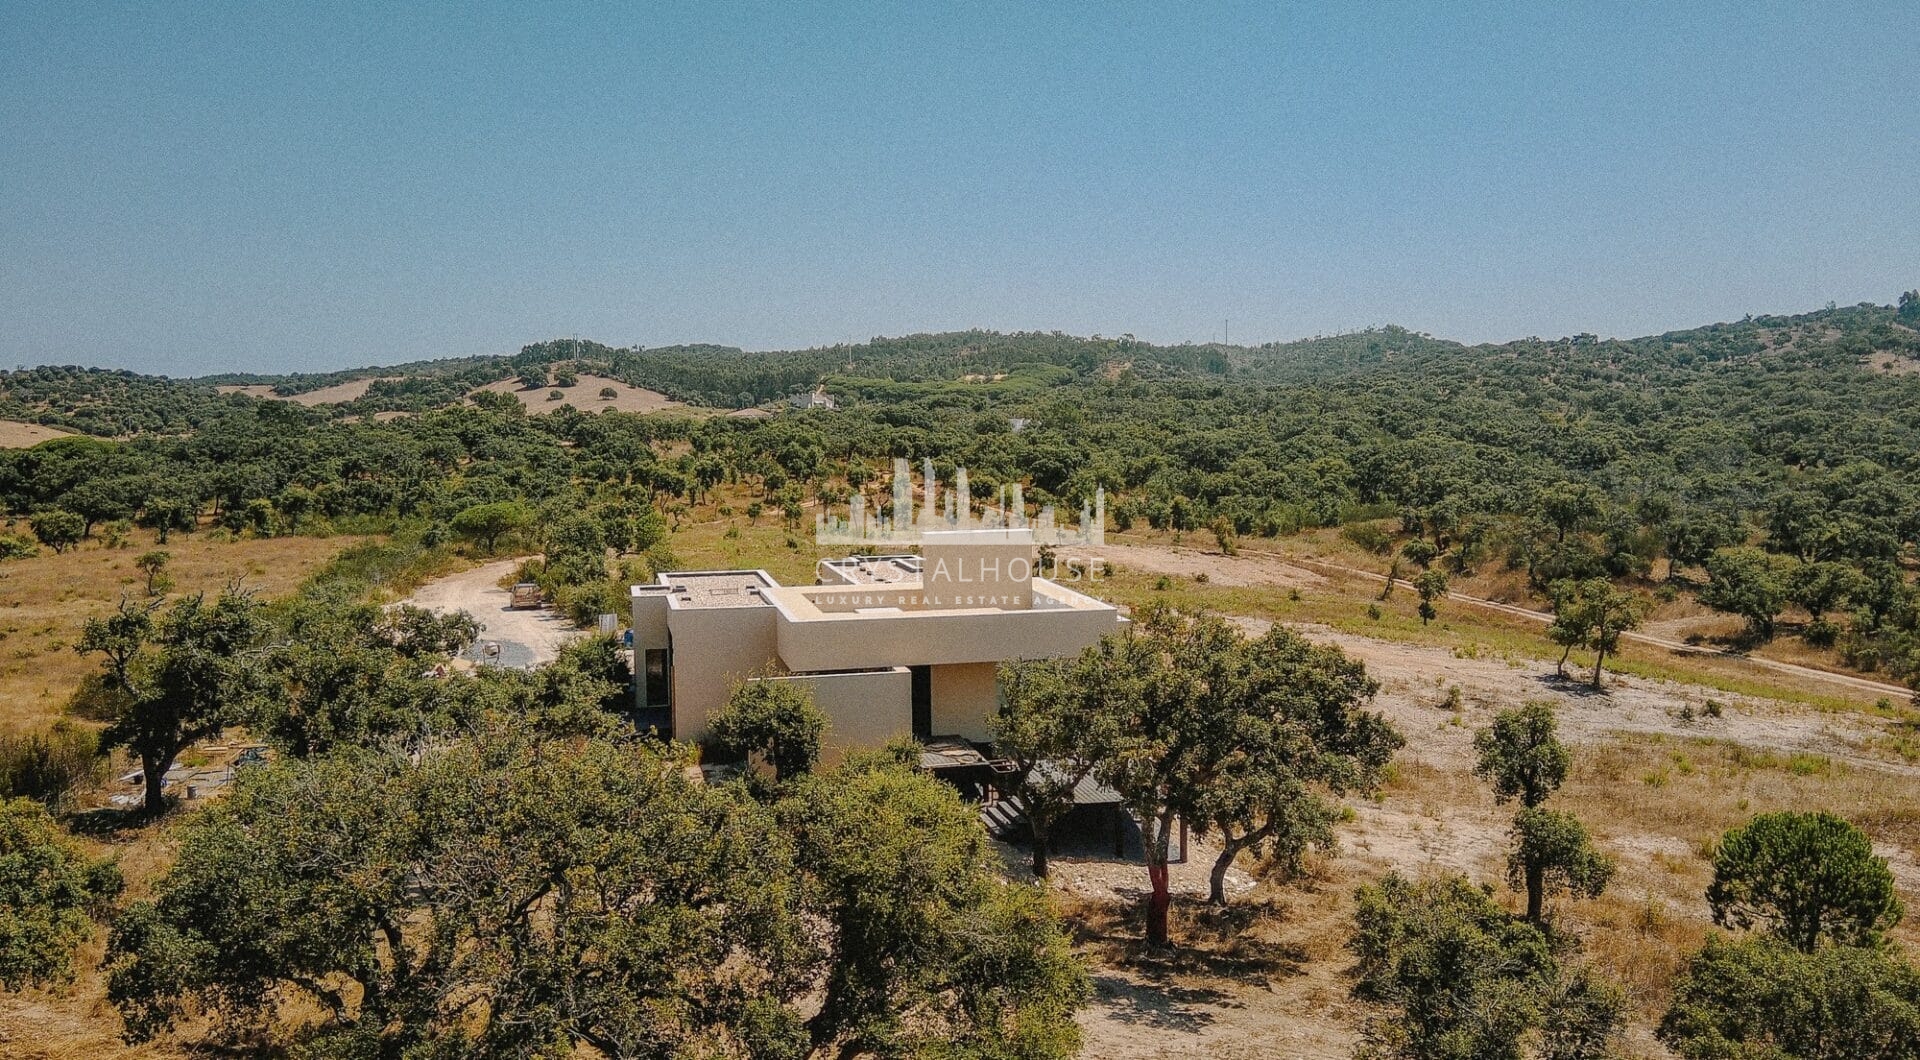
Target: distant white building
<point>813,399</point>
<point>890,646</point>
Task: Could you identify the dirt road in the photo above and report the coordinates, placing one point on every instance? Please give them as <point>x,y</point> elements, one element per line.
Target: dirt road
<point>525,638</point>
<point>1862,684</point>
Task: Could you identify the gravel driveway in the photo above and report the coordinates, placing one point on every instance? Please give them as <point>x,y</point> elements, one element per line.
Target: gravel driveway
<point>525,638</point>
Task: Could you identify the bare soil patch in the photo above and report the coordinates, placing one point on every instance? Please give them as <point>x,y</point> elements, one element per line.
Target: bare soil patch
<point>1415,680</point>
<point>1140,1016</point>
<point>17,435</point>
<point>1264,977</point>
<point>1893,364</point>
<point>337,394</point>
<point>585,396</point>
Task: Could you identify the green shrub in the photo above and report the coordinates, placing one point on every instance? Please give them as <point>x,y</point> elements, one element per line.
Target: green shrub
<point>1370,536</point>
<point>1458,977</point>
<point>13,547</point>
<point>49,890</point>
<point>1762,998</point>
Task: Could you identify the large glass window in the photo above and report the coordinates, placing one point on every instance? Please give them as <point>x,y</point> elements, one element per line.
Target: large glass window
<point>922,701</point>
<point>656,670</point>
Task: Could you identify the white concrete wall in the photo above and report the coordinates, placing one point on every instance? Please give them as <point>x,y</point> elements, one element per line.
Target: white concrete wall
<point>852,641</point>
<point>978,568</point>
<point>964,698</point>
<point>649,631</point>
<point>649,615</point>
<point>715,648</point>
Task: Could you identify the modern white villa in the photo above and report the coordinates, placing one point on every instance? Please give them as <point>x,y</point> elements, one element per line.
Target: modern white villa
<point>891,646</point>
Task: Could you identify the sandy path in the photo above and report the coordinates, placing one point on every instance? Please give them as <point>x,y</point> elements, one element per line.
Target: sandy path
<point>526,638</point>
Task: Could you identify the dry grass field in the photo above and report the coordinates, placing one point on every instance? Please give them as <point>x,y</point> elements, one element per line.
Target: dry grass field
<point>1893,364</point>
<point>1670,754</point>
<point>351,390</point>
<point>585,396</point>
<point>17,435</point>
<point>46,599</point>
<point>1201,576</point>
<point>1662,768</point>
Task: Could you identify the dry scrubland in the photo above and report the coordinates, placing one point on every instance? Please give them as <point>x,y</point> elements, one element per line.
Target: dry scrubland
<point>1677,749</point>
<point>1239,584</point>
<point>45,600</point>
<point>584,395</point>
<point>1672,753</point>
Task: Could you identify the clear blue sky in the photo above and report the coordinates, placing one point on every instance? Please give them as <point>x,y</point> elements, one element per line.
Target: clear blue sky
<point>195,187</point>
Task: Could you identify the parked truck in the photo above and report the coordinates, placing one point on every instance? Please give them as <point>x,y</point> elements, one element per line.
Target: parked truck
<point>526,595</point>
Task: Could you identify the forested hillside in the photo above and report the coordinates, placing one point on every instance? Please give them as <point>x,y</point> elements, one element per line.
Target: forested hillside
<point>1772,464</point>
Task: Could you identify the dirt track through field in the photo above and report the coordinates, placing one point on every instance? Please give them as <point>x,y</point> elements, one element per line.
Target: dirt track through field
<point>1862,684</point>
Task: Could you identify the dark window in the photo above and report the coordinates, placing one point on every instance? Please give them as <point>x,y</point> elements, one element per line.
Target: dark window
<point>656,677</point>
<point>922,702</point>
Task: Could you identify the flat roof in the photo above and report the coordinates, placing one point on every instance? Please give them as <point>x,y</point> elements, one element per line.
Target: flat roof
<point>895,600</point>
<point>877,570</point>
<point>717,588</point>
<point>888,577</point>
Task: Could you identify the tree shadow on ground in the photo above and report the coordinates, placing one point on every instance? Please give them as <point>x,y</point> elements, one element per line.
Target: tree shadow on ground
<point>111,823</point>
<point>1160,1005</point>
<point>1231,943</point>
<point>1570,685</point>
